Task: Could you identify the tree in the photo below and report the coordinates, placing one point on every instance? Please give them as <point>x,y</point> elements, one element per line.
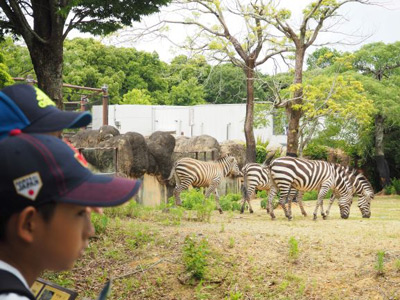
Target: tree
<point>382,63</point>
<point>314,17</point>
<point>5,78</point>
<point>215,22</point>
<point>44,25</point>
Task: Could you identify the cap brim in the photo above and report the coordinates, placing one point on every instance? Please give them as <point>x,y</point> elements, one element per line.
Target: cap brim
<point>102,191</point>
<point>59,120</point>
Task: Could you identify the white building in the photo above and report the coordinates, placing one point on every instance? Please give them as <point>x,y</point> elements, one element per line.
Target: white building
<point>221,121</point>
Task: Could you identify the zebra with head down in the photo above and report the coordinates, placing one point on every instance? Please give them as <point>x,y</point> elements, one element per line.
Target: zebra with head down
<point>362,188</point>
<point>209,174</point>
<point>288,173</point>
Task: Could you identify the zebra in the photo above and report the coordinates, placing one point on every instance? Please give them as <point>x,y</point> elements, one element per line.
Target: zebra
<point>255,176</point>
<point>288,173</point>
<point>189,171</point>
<point>363,189</point>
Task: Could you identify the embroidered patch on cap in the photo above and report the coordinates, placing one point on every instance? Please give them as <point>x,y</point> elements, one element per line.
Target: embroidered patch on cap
<point>29,186</point>
<point>43,99</point>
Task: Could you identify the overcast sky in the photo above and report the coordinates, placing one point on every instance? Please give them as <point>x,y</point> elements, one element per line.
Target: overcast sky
<point>380,23</point>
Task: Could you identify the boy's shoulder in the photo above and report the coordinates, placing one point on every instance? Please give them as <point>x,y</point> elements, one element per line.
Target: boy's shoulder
<point>11,285</point>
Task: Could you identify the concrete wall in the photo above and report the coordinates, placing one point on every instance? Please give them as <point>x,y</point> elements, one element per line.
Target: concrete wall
<point>152,193</point>
<point>221,121</point>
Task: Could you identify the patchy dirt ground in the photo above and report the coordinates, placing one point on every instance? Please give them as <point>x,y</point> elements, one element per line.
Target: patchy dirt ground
<point>250,256</point>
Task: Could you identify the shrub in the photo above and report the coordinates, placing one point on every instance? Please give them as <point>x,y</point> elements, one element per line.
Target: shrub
<point>314,151</point>
<point>313,195</point>
<point>195,256</point>
<point>99,223</point>
<point>230,202</point>
<point>261,154</point>
<point>396,185</point>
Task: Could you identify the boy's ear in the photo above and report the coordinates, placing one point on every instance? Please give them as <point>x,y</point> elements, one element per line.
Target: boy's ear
<point>27,223</point>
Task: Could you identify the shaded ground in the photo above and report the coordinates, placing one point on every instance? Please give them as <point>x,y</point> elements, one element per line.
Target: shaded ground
<point>250,256</point>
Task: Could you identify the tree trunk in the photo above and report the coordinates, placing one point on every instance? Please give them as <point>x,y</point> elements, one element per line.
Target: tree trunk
<point>47,61</point>
<point>295,114</point>
<point>248,124</point>
<point>381,163</point>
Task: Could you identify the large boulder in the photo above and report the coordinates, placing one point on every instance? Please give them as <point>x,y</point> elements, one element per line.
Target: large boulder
<point>236,149</point>
<point>161,147</point>
<point>202,147</point>
<point>85,138</point>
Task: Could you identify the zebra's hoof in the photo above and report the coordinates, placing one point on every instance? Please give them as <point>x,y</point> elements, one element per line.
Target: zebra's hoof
<point>305,215</point>
<point>251,211</point>
<point>242,211</point>
<point>315,218</point>
<point>324,217</point>
<point>220,211</point>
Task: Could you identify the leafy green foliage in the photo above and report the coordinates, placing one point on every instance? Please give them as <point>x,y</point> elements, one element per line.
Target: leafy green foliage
<point>316,151</point>
<point>99,223</point>
<point>230,202</point>
<point>5,78</point>
<point>195,255</point>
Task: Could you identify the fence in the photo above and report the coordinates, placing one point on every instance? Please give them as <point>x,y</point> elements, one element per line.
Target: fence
<point>104,160</point>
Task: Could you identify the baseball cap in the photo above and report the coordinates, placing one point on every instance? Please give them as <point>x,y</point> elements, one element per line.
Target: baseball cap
<point>37,169</point>
<point>28,108</point>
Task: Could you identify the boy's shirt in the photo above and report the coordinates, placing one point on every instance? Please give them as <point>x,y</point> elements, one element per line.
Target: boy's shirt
<point>11,296</point>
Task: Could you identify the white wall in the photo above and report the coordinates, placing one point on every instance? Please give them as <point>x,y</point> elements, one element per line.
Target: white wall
<point>222,121</point>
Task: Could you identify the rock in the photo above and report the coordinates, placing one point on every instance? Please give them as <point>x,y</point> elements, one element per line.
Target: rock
<point>236,149</point>
<point>85,138</point>
<point>161,147</point>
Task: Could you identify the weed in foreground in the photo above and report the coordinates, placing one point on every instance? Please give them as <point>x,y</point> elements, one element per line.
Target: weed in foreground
<point>195,255</point>
<point>379,267</point>
<point>293,249</point>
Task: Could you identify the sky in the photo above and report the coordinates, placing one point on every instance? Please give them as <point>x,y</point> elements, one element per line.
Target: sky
<point>378,23</point>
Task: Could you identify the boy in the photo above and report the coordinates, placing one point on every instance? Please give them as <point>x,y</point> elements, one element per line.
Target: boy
<point>45,195</point>
<point>27,108</point>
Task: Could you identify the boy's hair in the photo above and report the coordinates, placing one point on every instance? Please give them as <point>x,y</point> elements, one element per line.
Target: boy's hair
<point>46,211</point>
<point>39,169</point>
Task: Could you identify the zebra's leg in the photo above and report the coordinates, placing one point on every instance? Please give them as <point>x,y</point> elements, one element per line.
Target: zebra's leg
<point>331,200</point>
<point>320,202</point>
<point>289,198</point>
<point>217,201</point>
<point>270,207</point>
<point>177,195</point>
<point>213,189</point>
<point>300,202</point>
<point>282,200</point>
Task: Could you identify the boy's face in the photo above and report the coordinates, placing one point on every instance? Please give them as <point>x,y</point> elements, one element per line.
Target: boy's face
<point>65,236</point>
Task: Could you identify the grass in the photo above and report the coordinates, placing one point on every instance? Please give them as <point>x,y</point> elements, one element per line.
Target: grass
<point>148,251</point>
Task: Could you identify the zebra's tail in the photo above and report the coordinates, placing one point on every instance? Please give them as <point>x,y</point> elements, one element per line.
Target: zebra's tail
<point>268,158</point>
<point>172,175</point>
<point>244,186</point>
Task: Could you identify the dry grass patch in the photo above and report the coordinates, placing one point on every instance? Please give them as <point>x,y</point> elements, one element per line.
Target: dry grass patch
<point>248,256</point>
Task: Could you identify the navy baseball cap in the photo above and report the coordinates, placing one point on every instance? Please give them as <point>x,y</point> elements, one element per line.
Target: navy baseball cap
<point>28,108</point>
<point>37,169</point>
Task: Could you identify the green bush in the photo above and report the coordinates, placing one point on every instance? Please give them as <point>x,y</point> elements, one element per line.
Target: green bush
<point>230,202</point>
<point>313,195</point>
<point>261,154</point>
<point>99,223</point>
<point>192,198</point>
<point>195,255</point>
<point>314,151</point>
<point>396,185</point>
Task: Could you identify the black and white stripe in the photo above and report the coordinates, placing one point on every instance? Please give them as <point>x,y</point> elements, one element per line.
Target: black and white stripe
<point>288,173</point>
<point>189,171</point>
<point>255,177</point>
